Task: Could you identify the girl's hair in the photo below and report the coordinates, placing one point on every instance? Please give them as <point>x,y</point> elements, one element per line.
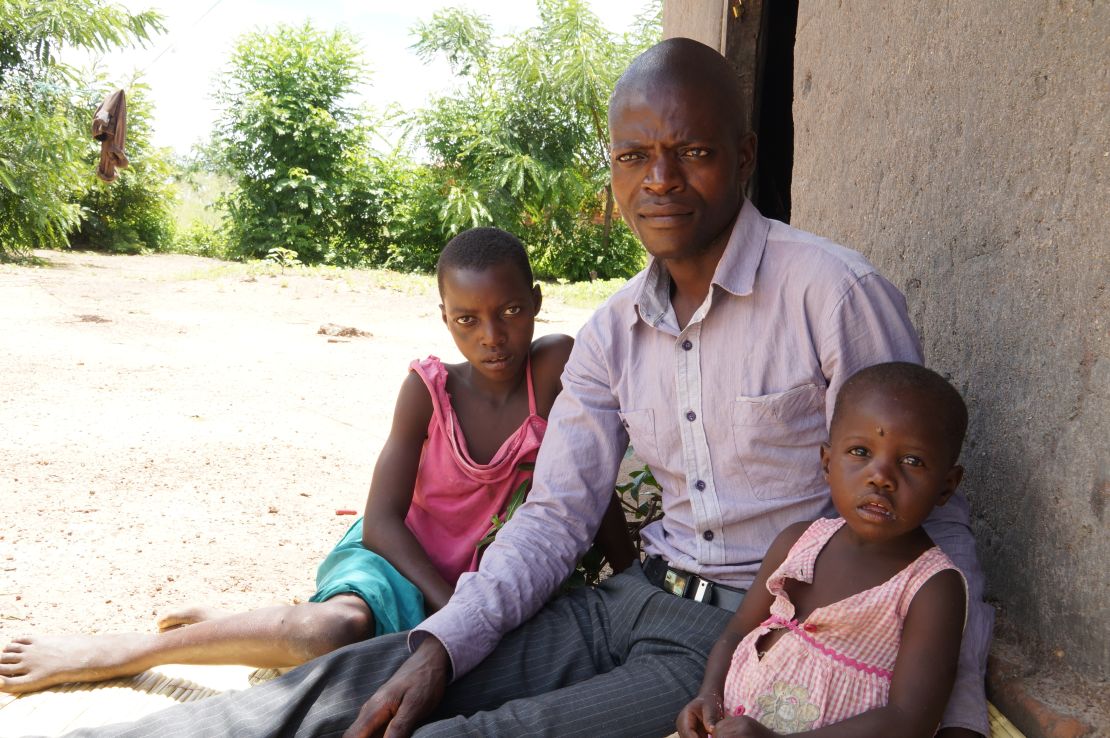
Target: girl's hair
<point>899,376</point>
<point>481,248</point>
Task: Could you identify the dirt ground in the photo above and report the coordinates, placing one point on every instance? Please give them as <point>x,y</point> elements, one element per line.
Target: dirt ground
<point>176,430</point>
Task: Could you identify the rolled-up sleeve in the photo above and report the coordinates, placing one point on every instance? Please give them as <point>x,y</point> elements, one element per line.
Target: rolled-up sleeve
<point>533,554</point>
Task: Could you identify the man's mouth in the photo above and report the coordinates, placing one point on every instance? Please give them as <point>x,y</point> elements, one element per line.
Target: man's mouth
<point>664,216</point>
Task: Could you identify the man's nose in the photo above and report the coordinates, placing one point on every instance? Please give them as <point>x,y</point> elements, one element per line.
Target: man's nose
<point>663,175</point>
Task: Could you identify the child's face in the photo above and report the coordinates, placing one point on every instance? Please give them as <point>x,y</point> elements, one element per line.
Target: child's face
<point>888,463</point>
<point>491,315</point>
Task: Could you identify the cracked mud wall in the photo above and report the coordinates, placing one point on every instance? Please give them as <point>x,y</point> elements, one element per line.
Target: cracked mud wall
<point>965,148</point>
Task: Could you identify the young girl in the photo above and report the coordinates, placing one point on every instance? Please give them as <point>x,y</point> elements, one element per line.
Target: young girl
<point>853,625</point>
<point>462,440</point>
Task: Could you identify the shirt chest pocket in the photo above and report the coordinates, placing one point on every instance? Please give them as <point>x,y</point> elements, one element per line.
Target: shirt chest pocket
<point>640,426</point>
<point>777,438</point>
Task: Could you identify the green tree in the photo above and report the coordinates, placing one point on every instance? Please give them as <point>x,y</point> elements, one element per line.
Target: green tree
<point>524,145</point>
<point>296,150</point>
<point>44,112</point>
<point>135,212</point>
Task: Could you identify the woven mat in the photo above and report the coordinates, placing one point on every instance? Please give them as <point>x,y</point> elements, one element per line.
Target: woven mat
<point>67,707</point>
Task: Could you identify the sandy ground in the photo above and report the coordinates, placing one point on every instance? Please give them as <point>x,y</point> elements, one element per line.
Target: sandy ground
<point>173,430</point>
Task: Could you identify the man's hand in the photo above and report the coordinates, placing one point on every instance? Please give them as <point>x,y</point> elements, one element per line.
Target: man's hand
<point>699,716</point>
<point>401,704</point>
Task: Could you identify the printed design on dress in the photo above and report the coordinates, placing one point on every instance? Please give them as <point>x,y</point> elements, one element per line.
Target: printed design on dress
<point>787,709</point>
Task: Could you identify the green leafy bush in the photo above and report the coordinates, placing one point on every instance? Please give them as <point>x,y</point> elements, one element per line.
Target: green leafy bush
<point>44,112</point>
<point>292,143</point>
<point>134,213</point>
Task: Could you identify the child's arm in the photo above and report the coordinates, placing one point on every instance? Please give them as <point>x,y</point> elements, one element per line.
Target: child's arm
<point>384,531</point>
<point>702,713</point>
<point>923,672</point>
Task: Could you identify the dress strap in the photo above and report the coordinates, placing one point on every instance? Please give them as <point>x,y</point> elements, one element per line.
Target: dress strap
<point>531,389</point>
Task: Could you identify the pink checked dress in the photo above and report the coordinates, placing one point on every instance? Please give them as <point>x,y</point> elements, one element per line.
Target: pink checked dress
<point>836,664</point>
<point>454,496</point>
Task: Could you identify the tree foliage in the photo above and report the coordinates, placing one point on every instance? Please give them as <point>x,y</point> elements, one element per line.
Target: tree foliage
<point>296,150</point>
<point>524,145</point>
<point>135,212</point>
<point>44,112</point>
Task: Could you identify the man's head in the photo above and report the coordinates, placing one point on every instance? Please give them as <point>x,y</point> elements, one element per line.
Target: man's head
<point>681,153</point>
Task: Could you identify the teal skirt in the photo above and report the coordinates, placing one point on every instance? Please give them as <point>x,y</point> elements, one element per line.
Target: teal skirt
<point>352,569</point>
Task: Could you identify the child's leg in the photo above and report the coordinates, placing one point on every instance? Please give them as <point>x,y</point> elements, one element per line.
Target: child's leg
<point>284,635</point>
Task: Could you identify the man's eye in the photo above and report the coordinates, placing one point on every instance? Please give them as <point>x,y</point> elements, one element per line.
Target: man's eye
<point>626,158</point>
<point>913,460</point>
<point>696,153</point>
<point>857,451</point>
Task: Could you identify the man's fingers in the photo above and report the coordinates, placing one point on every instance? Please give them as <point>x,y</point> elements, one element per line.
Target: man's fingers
<point>371,720</point>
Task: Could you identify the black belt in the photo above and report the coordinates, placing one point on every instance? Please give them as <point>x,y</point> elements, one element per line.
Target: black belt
<point>691,586</point>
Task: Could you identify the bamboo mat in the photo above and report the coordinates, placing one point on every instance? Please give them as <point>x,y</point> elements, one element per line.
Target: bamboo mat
<point>56,711</point>
<point>67,707</point>
<point>1000,726</point>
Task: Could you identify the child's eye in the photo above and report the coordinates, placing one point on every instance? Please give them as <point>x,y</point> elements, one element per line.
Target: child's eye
<point>465,320</point>
<point>913,460</point>
<point>515,310</point>
<point>858,451</point>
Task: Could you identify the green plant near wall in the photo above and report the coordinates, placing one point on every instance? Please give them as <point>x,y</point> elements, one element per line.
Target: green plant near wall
<point>641,499</point>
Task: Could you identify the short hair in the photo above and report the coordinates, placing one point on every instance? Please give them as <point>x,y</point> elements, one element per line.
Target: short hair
<point>948,408</point>
<point>482,248</point>
<point>690,64</point>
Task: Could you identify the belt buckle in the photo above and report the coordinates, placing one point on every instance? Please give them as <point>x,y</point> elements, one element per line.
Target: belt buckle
<point>704,591</point>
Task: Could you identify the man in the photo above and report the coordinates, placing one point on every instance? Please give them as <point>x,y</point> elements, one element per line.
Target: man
<point>720,363</point>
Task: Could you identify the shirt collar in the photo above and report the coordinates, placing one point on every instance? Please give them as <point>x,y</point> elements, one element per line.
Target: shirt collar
<point>735,271</point>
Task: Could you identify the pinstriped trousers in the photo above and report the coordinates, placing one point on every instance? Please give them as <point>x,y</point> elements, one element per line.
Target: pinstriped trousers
<point>618,660</point>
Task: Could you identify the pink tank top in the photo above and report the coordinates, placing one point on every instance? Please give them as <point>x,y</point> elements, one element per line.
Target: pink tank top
<point>454,497</point>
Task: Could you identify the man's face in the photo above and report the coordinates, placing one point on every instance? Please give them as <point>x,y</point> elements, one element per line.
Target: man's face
<point>678,168</point>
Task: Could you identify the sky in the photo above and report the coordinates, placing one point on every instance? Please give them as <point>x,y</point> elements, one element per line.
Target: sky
<point>181,66</point>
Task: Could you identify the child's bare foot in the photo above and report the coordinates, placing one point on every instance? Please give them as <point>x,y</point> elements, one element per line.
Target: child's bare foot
<point>188,615</point>
<point>30,663</point>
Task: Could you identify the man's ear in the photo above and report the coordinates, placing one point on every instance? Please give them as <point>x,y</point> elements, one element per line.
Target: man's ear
<point>951,481</point>
<point>537,298</point>
<point>745,157</point>
<point>443,313</point>
<point>825,460</point>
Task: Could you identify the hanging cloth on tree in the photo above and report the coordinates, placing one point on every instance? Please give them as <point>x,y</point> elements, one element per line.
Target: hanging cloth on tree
<point>109,127</point>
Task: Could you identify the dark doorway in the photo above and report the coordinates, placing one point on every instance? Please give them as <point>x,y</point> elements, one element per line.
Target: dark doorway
<point>760,42</point>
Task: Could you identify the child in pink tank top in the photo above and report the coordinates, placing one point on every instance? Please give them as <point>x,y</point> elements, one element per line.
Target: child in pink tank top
<point>462,440</point>
<point>853,625</point>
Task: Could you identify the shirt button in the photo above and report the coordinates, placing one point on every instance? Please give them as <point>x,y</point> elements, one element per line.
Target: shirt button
<point>687,345</point>
<point>691,416</point>
<point>707,535</point>
<point>699,485</point>
<point>624,423</point>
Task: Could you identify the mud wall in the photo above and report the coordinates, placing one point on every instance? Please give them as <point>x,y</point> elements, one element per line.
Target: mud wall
<point>965,147</point>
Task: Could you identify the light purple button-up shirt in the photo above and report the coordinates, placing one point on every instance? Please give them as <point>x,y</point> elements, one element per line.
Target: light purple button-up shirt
<point>729,413</point>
